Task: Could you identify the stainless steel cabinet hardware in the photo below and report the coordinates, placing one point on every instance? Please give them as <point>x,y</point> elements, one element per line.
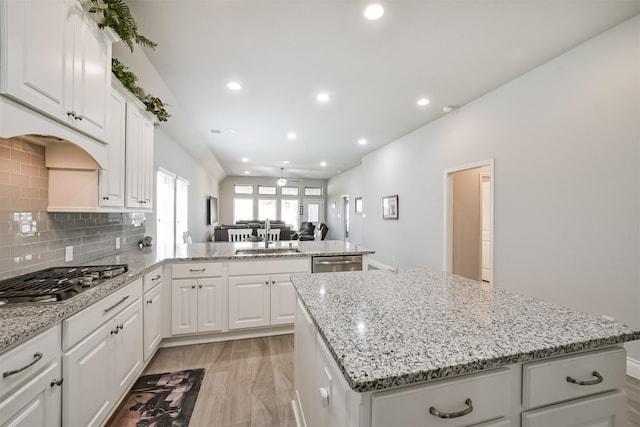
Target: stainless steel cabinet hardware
<point>106,310</point>
<point>273,282</point>
<point>598,380</point>
<point>105,198</point>
<point>121,326</point>
<point>199,270</point>
<point>72,114</point>
<point>150,302</point>
<point>266,283</point>
<point>55,382</point>
<point>115,331</point>
<point>200,286</point>
<point>36,356</point>
<point>434,411</point>
<point>334,262</point>
<point>158,277</point>
<point>193,286</point>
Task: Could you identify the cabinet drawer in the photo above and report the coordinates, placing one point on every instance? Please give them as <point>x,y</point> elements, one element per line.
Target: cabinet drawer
<point>548,382</point>
<point>489,393</point>
<point>196,269</point>
<point>292,265</point>
<point>83,323</point>
<point>604,410</point>
<point>152,278</point>
<point>35,354</point>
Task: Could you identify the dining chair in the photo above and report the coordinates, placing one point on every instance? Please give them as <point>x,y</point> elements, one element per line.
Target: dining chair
<point>239,234</point>
<point>274,234</point>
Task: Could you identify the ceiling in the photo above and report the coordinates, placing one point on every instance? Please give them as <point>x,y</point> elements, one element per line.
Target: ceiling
<point>285,52</point>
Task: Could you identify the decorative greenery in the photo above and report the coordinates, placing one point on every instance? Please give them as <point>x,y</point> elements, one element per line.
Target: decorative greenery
<point>128,79</point>
<point>117,16</point>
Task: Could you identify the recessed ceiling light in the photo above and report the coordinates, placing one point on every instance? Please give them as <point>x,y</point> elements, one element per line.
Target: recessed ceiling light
<point>234,85</point>
<point>285,162</point>
<point>323,97</point>
<point>232,131</point>
<point>246,172</point>
<point>244,159</point>
<point>373,12</point>
<point>291,135</point>
<point>362,141</point>
<point>323,164</point>
<point>423,101</point>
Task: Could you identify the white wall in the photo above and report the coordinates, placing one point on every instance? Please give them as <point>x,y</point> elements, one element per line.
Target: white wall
<point>566,142</point>
<point>348,183</point>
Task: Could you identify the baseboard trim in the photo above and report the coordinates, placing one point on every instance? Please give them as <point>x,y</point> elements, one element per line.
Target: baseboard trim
<point>225,336</point>
<point>379,265</point>
<point>296,413</point>
<point>633,368</point>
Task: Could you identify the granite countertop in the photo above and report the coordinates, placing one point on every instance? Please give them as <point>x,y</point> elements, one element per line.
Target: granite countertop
<point>387,329</point>
<point>19,322</point>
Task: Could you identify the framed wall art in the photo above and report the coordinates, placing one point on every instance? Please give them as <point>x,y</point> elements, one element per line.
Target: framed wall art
<point>390,207</point>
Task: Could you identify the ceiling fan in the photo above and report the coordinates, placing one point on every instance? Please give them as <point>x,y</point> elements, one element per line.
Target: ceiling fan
<point>282,181</point>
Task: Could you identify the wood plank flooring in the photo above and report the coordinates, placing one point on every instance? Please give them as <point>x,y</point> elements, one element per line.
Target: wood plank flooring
<point>249,383</point>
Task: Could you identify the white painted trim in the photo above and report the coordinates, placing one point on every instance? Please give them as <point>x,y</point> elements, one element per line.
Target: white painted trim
<point>447,256</point>
<point>297,411</point>
<point>633,368</point>
<point>379,265</point>
<point>176,341</point>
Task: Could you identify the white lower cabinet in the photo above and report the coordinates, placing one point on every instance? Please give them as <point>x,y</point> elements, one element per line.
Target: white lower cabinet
<point>603,410</point>
<point>31,382</point>
<point>261,292</point>
<point>196,298</point>
<point>102,366</point>
<point>152,321</point>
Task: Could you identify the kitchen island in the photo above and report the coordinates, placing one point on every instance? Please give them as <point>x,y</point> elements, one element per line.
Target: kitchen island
<point>418,347</point>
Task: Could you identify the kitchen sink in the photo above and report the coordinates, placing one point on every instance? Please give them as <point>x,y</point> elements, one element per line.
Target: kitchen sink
<point>259,251</point>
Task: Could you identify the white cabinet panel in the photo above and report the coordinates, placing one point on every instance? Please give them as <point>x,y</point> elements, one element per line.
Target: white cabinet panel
<point>249,301</point>
<point>152,320</point>
<point>283,299</point>
<point>209,304</point>
<point>128,351</point>
<point>184,303</point>
<point>112,178</point>
<point>603,410</point>
<point>139,159</point>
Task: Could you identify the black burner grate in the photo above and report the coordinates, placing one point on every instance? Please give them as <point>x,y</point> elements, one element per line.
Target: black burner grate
<point>57,282</point>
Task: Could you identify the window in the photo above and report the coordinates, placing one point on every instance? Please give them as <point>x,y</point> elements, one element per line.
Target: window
<point>172,211</point>
<point>313,212</point>
<point>266,190</point>
<point>242,209</point>
<point>182,208</point>
<point>312,191</point>
<point>289,212</point>
<point>267,209</point>
<point>243,189</point>
<point>290,191</point>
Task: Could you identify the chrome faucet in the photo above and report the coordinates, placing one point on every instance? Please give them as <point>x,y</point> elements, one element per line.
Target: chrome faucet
<point>267,233</point>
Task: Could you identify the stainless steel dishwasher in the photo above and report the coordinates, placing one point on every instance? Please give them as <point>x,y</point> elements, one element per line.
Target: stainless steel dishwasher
<point>330,264</point>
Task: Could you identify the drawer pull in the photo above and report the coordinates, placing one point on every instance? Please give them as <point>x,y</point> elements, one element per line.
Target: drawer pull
<point>598,380</point>
<point>200,270</point>
<point>158,277</point>
<point>324,397</point>
<point>106,310</point>
<point>434,411</point>
<point>36,356</point>
<point>55,382</point>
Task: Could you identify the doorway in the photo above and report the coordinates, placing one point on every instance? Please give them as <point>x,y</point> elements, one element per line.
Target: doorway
<point>345,215</point>
<point>313,211</point>
<point>469,221</point>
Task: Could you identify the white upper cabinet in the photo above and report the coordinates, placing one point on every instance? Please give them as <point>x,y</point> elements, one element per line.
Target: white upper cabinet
<point>56,60</point>
<point>139,159</point>
<point>112,178</point>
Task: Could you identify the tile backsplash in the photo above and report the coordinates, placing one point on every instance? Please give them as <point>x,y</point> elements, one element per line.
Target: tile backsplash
<point>32,238</point>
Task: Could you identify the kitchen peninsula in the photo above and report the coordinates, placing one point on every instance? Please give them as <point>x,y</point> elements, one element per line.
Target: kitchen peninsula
<point>418,347</point>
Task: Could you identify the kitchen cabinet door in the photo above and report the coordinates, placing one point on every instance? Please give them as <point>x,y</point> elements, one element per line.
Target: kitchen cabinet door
<point>209,304</point>
<point>249,301</point>
<point>184,307</point>
<point>112,178</point>
<point>283,300</point>
<point>37,403</point>
<point>602,410</point>
<point>128,348</point>
<point>88,379</point>
<point>304,371</point>
<point>33,53</point>
<point>91,72</point>
<point>152,317</point>
<point>139,159</point>
<point>146,164</point>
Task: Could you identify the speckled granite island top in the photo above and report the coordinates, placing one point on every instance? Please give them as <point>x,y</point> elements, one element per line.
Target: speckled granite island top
<point>386,329</point>
<point>19,322</point>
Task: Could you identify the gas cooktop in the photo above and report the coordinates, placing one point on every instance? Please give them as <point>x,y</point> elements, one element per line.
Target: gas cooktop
<point>56,284</point>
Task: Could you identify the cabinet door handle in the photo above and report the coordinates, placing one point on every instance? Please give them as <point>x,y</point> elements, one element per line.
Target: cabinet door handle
<point>200,286</point>
<point>57,382</point>
<point>158,277</point>
<point>435,412</point>
<point>273,282</point>
<point>598,380</point>
<point>105,198</point>
<point>72,114</point>
<point>78,117</point>
<point>106,310</point>
<point>199,270</point>
<point>193,286</point>
<point>37,356</point>
<point>115,331</point>
<point>266,283</point>
<point>150,302</point>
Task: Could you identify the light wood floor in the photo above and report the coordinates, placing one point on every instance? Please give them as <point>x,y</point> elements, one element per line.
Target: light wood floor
<point>249,383</point>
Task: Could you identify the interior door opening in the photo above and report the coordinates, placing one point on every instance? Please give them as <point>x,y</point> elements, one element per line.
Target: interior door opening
<point>345,216</point>
<point>469,224</point>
